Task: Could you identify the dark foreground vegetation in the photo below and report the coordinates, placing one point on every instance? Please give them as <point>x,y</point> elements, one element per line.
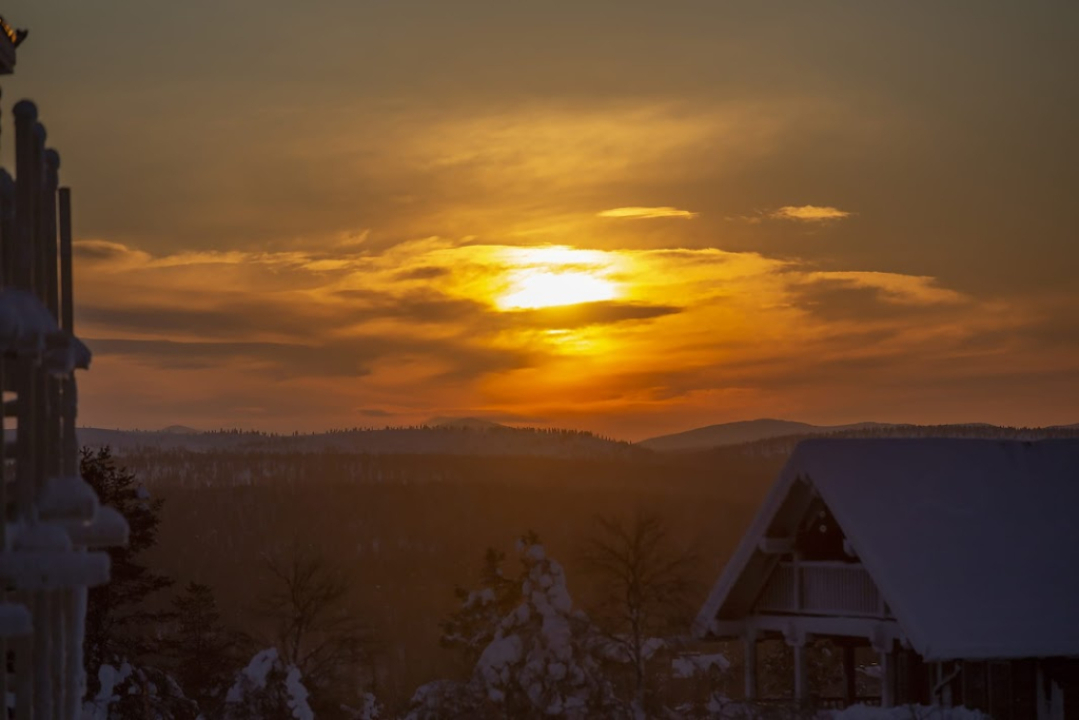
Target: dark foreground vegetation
<point>356,566</point>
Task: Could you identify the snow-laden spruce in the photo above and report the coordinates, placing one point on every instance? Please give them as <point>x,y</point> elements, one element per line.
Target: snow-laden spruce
<point>539,662</point>
<point>127,690</point>
<point>266,688</point>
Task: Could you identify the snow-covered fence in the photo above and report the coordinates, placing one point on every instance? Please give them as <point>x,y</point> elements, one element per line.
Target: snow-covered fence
<point>50,523</point>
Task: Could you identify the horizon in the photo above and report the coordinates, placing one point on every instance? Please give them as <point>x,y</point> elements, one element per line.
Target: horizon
<point>827,213</point>
<point>442,421</point>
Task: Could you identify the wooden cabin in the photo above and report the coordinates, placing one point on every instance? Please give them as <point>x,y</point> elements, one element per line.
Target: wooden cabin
<point>953,562</point>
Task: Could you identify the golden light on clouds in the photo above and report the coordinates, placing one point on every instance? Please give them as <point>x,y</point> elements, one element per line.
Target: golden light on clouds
<point>543,288</point>
<point>550,334</point>
<point>555,276</point>
<point>644,213</point>
<point>810,213</point>
<point>587,240</point>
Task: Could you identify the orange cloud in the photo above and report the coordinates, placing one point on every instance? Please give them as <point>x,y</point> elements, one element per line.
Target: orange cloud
<point>810,213</point>
<point>422,327</point>
<point>643,213</point>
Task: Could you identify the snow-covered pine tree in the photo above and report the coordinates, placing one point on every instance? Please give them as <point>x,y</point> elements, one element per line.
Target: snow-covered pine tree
<point>447,700</point>
<point>131,692</point>
<point>539,663</point>
<point>267,688</point>
<point>472,626</point>
<point>369,708</point>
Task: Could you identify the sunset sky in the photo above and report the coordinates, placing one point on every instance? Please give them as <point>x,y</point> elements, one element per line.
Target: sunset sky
<point>630,217</point>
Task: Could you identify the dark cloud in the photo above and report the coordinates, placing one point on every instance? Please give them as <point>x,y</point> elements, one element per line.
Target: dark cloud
<point>429,272</point>
<point>339,358</point>
<point>242,318</point>
<point>276,359</point>
<point>842,300</point>
<point>236,320</point>
<point>1046,329</point>
<point>420,306</point>
<point>99,250</point>
<point>596,313</point>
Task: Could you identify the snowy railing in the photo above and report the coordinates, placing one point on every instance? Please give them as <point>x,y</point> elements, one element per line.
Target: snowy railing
<point>50,522</point>
<point>822,588</point>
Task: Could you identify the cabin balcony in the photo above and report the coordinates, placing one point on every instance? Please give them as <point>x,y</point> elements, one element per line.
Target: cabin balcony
<point>822,588</point>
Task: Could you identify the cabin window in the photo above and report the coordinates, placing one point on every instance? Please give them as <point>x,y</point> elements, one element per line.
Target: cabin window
<point>820,538</point>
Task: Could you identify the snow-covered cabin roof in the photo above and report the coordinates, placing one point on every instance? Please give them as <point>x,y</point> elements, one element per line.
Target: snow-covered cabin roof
<point>974,544</point>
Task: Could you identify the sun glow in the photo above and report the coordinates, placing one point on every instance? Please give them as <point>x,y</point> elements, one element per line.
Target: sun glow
<point>542,288</point>
<point>557,276</point>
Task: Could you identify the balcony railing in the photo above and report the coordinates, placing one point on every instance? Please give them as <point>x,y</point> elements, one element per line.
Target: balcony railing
<point>822,588</point>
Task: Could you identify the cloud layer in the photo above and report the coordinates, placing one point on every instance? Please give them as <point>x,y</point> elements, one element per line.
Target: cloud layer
<point>296,240</point>
<point>416,329</point>
<point>810,213</point>
<point>645,213</point>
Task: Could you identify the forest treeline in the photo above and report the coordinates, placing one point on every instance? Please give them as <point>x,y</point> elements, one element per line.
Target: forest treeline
<point>406,530</point>
<point>448,439</point>
<point>402,532</point>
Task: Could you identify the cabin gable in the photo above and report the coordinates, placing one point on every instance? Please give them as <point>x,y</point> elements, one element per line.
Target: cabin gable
<point>952,561</point>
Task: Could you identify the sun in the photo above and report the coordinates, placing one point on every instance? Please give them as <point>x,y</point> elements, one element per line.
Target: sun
<point>545,288</point>
<point>556,276</point>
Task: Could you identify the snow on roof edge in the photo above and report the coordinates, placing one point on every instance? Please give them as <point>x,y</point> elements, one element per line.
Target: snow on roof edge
<point>740,558</point>
<point>1047,458</point>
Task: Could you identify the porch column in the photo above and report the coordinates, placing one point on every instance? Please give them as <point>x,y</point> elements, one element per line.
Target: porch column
<point>850,690</point>
<point>797,639</point>
<point>884,644</point>
<point>749,654</point>
<point>887,678</point>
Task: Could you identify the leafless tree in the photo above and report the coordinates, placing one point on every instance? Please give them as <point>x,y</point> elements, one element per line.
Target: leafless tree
<point>645,583</point>
<point>315,629</point>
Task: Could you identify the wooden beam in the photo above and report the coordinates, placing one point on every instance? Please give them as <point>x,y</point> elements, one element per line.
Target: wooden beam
<point>869,628</point>
<point>776,545</point>
<point>876,631</point>
<point>727,629</point>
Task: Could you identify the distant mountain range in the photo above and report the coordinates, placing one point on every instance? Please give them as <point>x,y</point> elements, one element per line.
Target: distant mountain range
<point>757,431</point>
<point>477,436</point>
<point>736,433</point>
<point>464,422</point>
<point>450,436</point>
<point>181,430</point>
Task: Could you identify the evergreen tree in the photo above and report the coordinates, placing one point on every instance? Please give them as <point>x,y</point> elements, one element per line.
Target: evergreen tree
<point>540,662</point>
<point>132,692</point>
<point>202,651</point>
<point>472,626</point>
<point>267,688</point>
<point>118,618</point>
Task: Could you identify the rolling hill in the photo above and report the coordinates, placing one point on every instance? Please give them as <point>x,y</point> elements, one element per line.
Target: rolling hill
<point>736,433</point>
